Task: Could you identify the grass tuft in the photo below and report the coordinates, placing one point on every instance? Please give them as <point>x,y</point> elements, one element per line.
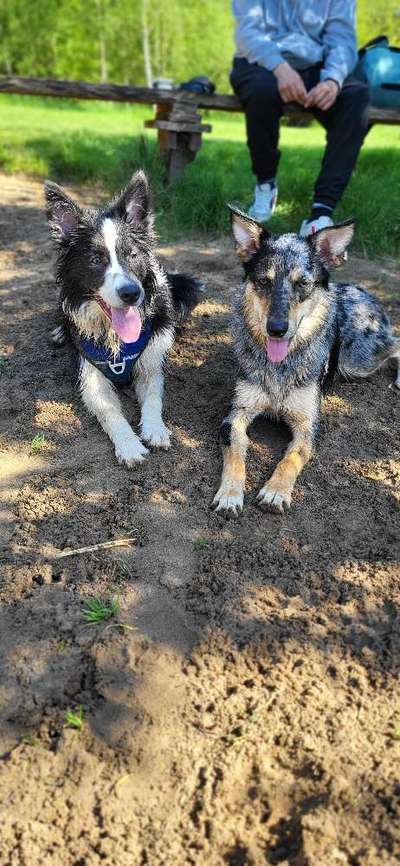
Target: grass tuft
<point>74,719</point>
<point>38,443</point>
<point>201,543</point>
<point>97,610</point>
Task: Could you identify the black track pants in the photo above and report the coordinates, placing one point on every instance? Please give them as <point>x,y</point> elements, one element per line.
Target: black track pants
<point>346,124</point>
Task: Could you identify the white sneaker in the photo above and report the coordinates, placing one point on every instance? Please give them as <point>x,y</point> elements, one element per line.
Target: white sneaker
<point>309,227</point>
<point>265,198</point>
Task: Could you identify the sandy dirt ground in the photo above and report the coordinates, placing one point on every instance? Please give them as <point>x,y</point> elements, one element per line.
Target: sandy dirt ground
<point>248,712</point>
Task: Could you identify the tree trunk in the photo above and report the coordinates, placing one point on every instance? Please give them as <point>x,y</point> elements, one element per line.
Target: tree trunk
<point>103,59</point>
<point>156,46</point>
<point>146,43</point>
<point>102,41</point>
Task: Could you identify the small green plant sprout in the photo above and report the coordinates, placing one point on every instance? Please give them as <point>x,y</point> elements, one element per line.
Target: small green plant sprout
<point>396,731</point>
<point>74,719</point>
<point>61,646</point>
<point>201,543</point>
<point>38,442</point>
<point>29,740</point>
<point>97,610</point>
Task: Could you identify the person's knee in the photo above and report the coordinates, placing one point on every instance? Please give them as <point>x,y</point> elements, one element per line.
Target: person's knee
<point>353,108</point>
<point>259,91</point>
<point>355,98</point>
<point>264,92</point>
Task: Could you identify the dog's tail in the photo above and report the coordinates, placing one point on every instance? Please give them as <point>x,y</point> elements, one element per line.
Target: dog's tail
<point>186,293</point>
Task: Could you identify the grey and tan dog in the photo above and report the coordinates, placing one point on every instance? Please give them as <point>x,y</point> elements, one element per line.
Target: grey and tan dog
<point>292,328</point>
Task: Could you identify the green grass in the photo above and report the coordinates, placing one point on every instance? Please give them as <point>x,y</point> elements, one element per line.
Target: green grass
<point>97,610</point>
<point>396,732</point>
<point>38,443</point>
<point>201,543</point>
<point>103,143</point>
<point>74,719</point>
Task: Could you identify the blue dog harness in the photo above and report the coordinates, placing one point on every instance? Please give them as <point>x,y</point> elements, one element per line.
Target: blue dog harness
<point>118,368</point>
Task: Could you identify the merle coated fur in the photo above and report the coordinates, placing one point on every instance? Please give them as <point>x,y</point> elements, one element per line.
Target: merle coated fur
<point>109,254</point>
<point>288,294</point>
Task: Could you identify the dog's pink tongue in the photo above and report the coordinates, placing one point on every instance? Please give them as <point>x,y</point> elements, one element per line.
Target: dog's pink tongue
<point>127,323</point>
<point>277,349</point>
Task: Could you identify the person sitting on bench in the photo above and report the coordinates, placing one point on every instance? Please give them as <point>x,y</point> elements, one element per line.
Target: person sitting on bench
<point>299,51</point>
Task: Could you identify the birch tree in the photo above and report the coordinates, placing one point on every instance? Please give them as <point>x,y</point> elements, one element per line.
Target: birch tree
<point>148,71</point>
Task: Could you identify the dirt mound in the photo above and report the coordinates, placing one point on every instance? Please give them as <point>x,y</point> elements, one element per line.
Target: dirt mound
<point>247,711</point>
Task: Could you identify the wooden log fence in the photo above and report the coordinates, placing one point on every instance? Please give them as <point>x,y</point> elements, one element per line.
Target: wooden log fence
<point>177,117</point>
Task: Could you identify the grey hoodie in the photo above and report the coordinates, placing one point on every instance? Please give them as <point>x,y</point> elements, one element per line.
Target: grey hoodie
<point>302,32</point>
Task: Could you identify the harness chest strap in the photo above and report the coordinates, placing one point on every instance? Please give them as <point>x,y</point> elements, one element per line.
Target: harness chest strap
<point>119,368</point>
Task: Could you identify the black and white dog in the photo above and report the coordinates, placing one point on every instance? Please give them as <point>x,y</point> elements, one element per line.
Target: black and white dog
<point>119,307</point>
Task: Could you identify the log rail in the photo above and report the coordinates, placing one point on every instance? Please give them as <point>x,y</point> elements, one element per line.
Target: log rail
<point>177,118</point>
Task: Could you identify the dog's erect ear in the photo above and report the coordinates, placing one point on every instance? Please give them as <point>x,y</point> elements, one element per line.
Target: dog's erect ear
<point>248,234</point>
<point>62,212</point>
<point>331,243</point>
<point>133,204</point>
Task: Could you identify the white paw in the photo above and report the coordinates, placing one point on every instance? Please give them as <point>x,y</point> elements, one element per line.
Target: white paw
<point>274,500</point>
<point>131,451</point>
<point>158,437</point>
<point>228,501</point>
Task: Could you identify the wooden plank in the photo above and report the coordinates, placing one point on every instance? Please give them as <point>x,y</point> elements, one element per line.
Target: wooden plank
<point>187,113</point>
<point>150,96</point>
<point>383,115</point>
<point>110,92</point>
<point>178,126</point>
<point>167,141</point>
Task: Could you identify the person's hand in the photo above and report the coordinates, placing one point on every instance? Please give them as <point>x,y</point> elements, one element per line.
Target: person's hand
<point>290,85</point>
<point>323,95</point>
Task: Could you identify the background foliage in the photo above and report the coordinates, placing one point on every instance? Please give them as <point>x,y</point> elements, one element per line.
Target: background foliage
<point>109,40</point>
<point>132,41</point>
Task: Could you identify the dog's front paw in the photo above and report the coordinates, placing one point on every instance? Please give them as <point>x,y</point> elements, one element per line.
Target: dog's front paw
<point>58,336</point>
<point>228,499</point>
<point>131,451</point>
<point>271,498</point>
<point>158,437</point>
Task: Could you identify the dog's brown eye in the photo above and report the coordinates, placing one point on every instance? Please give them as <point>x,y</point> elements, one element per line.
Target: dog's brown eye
<point>302,286</point>
<point>95,259</point>
<point>264,283</point>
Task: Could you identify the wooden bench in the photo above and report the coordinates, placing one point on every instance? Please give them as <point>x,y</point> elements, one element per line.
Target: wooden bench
<point>177,116</point>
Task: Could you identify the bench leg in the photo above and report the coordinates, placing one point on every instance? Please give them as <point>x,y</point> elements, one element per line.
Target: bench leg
<point>177,150</point>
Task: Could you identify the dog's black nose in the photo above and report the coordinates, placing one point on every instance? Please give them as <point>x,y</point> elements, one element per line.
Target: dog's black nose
<point>130,292</point>
<point>277,327</point>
